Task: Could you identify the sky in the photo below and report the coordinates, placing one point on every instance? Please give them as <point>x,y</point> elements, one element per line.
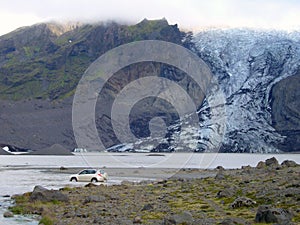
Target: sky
<point>188,14</point>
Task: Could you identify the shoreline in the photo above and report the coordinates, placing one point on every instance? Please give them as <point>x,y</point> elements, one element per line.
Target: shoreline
<point>210,198</point>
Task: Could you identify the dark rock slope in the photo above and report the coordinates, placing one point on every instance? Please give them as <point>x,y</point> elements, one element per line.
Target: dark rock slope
<point>285,104</point>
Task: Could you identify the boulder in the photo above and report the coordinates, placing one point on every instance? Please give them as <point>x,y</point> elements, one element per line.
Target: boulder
<point>8,214</point>
<point>220,175</point>
<point>268,214</point>
<point>137,219</point>
<point>42,194</point>
<point>289,163</point>
<point>39,188</point>
<point>94,198</point>
<point>182,218</point>
<point>272,162</point>
<point>227,192</point>
<point>241,202</point>
<point>220,168</point>
<point>260,165</point>
<point>89,185</point>
<point>147,207</point>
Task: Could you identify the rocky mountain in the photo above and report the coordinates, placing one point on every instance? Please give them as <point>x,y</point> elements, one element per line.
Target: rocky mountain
<point>257,74</point>
<point>40,67</point>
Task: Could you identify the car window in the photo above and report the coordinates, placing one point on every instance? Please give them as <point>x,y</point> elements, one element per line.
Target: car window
<point>92,171</point>
<point>83,172</point>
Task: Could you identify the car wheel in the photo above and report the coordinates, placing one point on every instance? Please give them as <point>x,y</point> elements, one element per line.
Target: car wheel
<point>94,180</point>
<point>73,179</point>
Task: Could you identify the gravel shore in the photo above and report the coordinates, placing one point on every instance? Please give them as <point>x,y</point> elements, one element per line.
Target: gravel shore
<point>267,193</point>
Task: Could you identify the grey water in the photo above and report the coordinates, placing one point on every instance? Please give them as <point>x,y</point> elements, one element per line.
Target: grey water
<point>20,173</point>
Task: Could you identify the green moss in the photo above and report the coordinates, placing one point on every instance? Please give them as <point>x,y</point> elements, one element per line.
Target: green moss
<point>67,189</point>
<point>46,220</point>
<point>153,216</point>
<point>18,209</point>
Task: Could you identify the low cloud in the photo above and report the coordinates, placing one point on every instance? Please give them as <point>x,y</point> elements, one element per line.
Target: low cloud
<point>189,14</point>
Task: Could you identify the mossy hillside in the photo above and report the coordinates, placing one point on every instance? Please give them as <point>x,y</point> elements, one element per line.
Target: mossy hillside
<point>43,62</point>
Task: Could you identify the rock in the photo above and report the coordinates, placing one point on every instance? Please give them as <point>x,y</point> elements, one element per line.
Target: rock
<point>242,201</point>
<point>291,192</point>
<point>285,111</point>
<point>220,168</point>
<point>289,163</point>
<point>260,165</point>
<point>220,176</point>
<point>272,162</point>
<point>42,194</point>
<point>91,185</point>
<point>137,219</point>
<point>8,214</point>
<point>147,207</point>
<point>81,213</point>
<point>182,218</point>
<point>227,192</point>
<point>268,214</point>
<point>94,198</point>
<point>246,167</point>
<point>234,221</point>
<point>98,220</point>
<point>39,188</point>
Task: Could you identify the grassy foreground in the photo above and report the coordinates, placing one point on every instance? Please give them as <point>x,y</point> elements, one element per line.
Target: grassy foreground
<point>210,200</point>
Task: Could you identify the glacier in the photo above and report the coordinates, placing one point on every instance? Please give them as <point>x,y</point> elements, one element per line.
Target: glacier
<point>247,64</point>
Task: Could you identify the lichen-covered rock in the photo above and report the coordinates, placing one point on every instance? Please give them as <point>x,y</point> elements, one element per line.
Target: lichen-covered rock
<point>260,165</point>
<point>227,192</point>
<point>94,198</point>
<point>272,162</point>
<point>241,202</point>
<point>220,175</point>
<point>268,214</point>
<point>289,163</point>
<point>182,218</point>
<point>44,195</point>
<point>137,219</point>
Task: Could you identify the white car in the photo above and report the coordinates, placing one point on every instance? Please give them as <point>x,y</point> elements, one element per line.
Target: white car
<point>89,175</point>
